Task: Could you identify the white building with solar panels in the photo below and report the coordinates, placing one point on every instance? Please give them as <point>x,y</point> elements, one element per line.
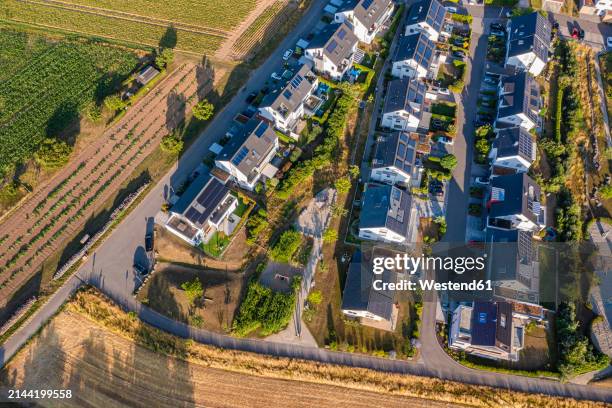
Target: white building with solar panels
<point>247,154</point>
<point>203,209</point>
<point>403,107</point>
<point>413,56</point>
<point>513,150</point>
<point>427,16</point>
<point>529,39</point>
<point>286,106</point>
<point>394,159</point>
<point>332,50</point>
<point>387,215</point>
<point>514,203</point>
<point>366,17</point>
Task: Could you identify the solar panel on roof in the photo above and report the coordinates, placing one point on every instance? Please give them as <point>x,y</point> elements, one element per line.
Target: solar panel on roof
<point>401,150</point>
<point>260,130</point>
<point>403,137</point>
<point>331,46</point>
<point>295,82</point>
<point>367,3</point>
<point>287,94</point>
<point>342,34</point>
<point>240,156</point>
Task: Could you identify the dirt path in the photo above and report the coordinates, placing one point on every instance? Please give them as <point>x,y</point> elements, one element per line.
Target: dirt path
<point>103,370</point>
<point>60,208</point>
<point>225,51</point>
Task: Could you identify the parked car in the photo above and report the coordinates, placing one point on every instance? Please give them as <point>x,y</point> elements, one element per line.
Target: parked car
<point>498,33</point>
<point>140,269</point>
<point>609,42</point>
<point>276,76</point>
<point>287,55</point>
<point>452,9</point>
<point>445,140</point>
<point>443,91</point>
<point>149,242</point>
<point>459,54</point>
<point>251,97</point>
<point>496,26</point>
<point>578,33</point>
<point>483,181</point>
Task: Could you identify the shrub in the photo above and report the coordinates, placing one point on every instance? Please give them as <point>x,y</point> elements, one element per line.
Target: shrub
<point>448,162</point>
<point>287,245</point>
<point>343,185</point>
<point>606,191</point>
<point>172,144</point>
<point>114,103</point>
<point>315,297</point>
<point>203,110</point>
<point>330,236</point>
<point>52,153</point>
<point>193,290</point>
<point>164,58</point>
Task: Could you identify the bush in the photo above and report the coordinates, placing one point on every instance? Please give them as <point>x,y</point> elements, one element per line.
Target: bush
<point>315,297</point>
<point>330,236</point>
<point>193,290</point>
<point>343,185</point>
<point>114,103</point>
<point>172,144</point>
<point>462,18</point>
<point>287,245</point>
<point>52,153</point>
<point>164,58</point>
<point>606,192</point>
<point>203,110</point>
<point>448,162</point>
<point>265,309</point>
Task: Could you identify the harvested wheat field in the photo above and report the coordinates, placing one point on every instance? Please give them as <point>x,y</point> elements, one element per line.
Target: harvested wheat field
<point>106,357</point>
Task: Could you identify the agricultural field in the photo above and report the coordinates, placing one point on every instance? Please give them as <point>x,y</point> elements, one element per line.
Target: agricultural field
<point>193,26</point>
<point>264,27</point>
<point>59,210</point>
<point>44,85</point>
<point>107,357</point>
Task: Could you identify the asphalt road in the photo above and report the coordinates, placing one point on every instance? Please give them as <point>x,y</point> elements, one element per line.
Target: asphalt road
<point>110,268</point>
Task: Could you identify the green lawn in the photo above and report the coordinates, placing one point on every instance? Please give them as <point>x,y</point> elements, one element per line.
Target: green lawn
<point>218,242</point>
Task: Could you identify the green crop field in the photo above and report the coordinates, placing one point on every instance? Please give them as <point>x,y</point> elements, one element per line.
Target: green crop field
<point>197,26</point>
<point>44,84</point>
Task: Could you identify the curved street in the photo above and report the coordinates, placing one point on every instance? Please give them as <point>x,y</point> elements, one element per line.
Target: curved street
<point>110,267</point>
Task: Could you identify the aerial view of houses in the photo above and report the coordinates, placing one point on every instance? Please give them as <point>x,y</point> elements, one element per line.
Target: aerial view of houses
<point>204,204</point>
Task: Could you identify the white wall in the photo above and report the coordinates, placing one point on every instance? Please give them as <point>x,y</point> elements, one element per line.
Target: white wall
<point>390,175</point>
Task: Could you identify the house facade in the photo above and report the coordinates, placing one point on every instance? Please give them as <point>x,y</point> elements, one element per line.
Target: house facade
<point>427,16</point>
<point>332,50</point>
<point>520,102</point>
<point>387,215</point>
<point>512,151</point>
<point>202,210</point>
<point>284,107</point>
<point>247,154</point>
<point>366,17</point>
<point>514,203</point>
<point>403,107</point>
<point>413,56</point>
<point>529,39</point>
<point>394,159</point>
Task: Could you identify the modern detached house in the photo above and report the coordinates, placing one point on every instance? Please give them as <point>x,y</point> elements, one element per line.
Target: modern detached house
<point>361,300</point>
<point>245,157</point>
<point>202,210</point>
<point>366,17</point>
<point>427,16</point>
<point>413,56</point>
<point>519,102</point>
<point>513,151</point>
<point>514,203</point>
<point>331,51</point>
<point>528,42</point>
<point>387,214</point>
<point>403,107</point>
<point>286,106</point>
<point>394,159</point>
<point>487,329</point>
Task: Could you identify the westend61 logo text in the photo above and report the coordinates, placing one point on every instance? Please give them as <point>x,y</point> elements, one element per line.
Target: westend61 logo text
<point>410,264</point>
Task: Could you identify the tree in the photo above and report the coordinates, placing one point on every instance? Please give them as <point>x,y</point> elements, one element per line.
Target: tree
<point>164,58</point>
<point>315,297</point>
<point>114,103</point>
<point>354,171</point>
<point>343,185</point>
<point>172,144</point>
<point>606,191</point>
<point>448,162</point>
<point>52,153</point>
<point>203,110</point>
<point>193,290</point>
<point>287,245</point>
<point>330,236</point>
